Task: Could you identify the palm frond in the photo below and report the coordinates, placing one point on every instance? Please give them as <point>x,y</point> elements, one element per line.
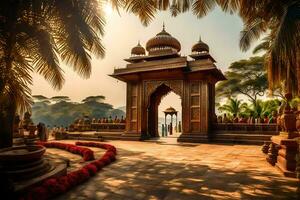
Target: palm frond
<point>202,7</point>
<point>163,4</point>
<point>144,9</point>
<point>264,46</point>
<point>229,5</point>
<point>252,31</point>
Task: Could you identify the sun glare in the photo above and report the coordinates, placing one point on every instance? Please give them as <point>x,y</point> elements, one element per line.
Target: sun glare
<point>108,9</point>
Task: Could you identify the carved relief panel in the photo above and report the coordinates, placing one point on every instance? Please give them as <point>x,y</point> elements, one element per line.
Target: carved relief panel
<point>132,107</point>
<point>195,97</point>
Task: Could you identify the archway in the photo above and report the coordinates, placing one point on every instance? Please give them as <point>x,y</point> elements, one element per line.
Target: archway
<point>151,76</point>
<point>170,116</point>
<point>153,111</point>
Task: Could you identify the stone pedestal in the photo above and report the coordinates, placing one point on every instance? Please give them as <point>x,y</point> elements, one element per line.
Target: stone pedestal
<point>287,151</point>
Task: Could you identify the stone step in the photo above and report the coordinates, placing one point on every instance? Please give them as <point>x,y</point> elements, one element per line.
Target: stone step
<point>242,136</point>
<point>107,134</point>
<point>251,142</point>
<point>247,132</point>
<point>97,136</point>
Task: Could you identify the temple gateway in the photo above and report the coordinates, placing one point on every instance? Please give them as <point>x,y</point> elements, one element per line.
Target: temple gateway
<point>153,74</point>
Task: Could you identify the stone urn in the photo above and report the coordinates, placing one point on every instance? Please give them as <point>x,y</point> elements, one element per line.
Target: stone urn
<point>289,119</point>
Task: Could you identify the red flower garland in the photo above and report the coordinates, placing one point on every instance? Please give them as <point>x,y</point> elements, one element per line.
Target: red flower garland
<point>54,186</point>
<point>86,153</point>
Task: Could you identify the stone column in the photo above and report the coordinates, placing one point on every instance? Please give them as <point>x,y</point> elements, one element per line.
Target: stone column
<point>286,159</point>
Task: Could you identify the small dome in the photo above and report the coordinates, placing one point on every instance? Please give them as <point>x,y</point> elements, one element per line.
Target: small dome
<point>138,50</point>
<point>200,47</point>
<point>170,110</point>
<point>163,43</point>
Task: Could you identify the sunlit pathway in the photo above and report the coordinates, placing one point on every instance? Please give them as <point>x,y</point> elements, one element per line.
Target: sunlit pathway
<point>150,170</point>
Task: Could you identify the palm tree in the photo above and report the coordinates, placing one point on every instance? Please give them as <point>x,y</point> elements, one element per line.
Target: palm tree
<point>262,108</point>
<point>34,35</point>
<point>280,18</point>
<point>233,107</point>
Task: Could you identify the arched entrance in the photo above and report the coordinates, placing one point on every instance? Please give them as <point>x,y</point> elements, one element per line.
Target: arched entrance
<point>151,75</point>
<point>152,109</point>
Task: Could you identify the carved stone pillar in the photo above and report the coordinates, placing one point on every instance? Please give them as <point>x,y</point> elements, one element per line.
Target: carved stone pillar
<point>286,159</point>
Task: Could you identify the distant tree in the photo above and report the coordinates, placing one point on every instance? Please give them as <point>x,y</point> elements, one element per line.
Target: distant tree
<point>39,98</point>
<point>64,112</point>
<point>60,98</point>
<point>99,99</point>
<point>245,77</point>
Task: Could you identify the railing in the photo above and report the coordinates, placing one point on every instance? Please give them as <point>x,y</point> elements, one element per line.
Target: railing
<point>241,127</point>
<point>109,127</point>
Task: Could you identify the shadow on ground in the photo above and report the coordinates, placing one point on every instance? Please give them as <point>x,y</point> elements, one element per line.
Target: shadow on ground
<point>136,175</point>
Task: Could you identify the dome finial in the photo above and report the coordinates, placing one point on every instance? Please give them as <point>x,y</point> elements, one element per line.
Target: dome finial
<point>200,38</point>
<point>164,26</point>
<point>139,43</point>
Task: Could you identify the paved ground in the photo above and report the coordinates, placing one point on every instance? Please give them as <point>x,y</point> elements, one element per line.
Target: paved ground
<point>170,171</point>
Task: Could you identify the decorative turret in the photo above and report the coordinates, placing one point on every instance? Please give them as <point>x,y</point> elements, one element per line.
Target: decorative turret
<point>200,50</point>
<point>200,47</point>
<point>163,43</point>
<point>138,50</point>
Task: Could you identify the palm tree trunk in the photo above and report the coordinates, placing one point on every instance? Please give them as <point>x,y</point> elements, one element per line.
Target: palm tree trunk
<point>8,105</point>
<point>7,116</point>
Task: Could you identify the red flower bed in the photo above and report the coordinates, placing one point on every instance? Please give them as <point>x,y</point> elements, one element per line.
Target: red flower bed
<point>86,153</point>
<point>58,185</point>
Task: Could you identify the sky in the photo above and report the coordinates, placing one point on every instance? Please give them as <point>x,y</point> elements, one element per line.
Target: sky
<point>122,32</point>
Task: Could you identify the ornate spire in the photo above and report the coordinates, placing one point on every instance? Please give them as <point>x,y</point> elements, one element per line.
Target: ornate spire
<point>164,26</point>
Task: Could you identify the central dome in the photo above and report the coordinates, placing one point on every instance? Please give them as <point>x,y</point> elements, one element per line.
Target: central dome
<point>163,43</point>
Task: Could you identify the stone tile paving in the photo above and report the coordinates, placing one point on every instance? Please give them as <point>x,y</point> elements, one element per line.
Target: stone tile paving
<point>171,171</point>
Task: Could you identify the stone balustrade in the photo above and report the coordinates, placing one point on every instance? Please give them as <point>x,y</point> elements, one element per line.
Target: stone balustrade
<point>243,127</point>
<point>110,127</point>
<point>100,127</point>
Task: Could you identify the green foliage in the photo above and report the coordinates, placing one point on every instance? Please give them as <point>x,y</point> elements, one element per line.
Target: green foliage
<point>245,77</point>
<point>64,113</point>
<point>232,107</point>
<point>98,98</point>
<point>60,98</point>
<point>39,98</point>
<point>295,102</point>
<point>258,109</point>
<point>262,108</point>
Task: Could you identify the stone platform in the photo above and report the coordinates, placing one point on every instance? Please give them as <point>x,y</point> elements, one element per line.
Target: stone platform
<point>165,169</point>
